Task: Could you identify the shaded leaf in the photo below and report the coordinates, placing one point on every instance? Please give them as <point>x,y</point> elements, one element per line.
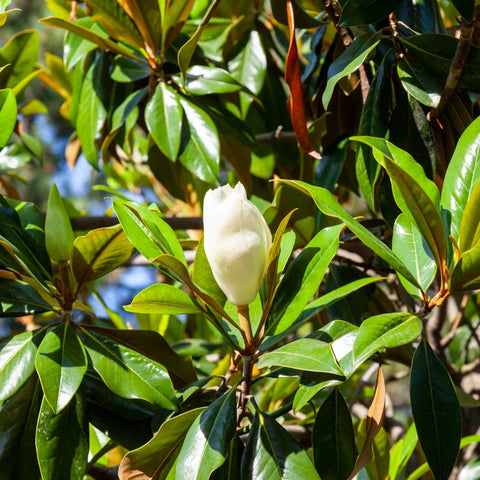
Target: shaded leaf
<point>18,299</point>
<point>362,12</point>
<point>435,410</point>
<point>333,440</point>
<point>62,441</point>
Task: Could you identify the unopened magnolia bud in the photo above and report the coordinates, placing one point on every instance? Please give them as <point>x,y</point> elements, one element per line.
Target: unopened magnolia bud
<point>237,240</point>
<point>58,229</point>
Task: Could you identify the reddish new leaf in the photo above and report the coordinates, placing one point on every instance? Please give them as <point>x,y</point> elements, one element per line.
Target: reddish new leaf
<point>294,81</point>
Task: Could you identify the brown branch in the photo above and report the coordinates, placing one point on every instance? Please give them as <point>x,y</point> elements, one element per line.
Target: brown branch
<point>177,223</point>
<point>277,136</point>
<point>456,67</point>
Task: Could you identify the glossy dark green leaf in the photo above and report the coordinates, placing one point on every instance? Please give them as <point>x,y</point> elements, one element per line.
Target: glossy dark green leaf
<point>21,53</point>
<point>333,441</point>
<point>207,80</point>
<point>8,115</point>
<point>419,82</point>
<point>435,410</point>
<point>92,112</point>
<point>469,234</point>
<point>362,12</point>
<point>466,8</point>
<point>128,373</point>
<point>98,253</point>
<point>61,363</point>
<point>386,330</point>
<point>422,17</point>
<point>62,441</point>
<point>408,244</point>
<point>123,112</point>
<point>155,458</point>
<point>416,195</point>
<point>349,61</point>
<point>203,277</point>
<point>327,203</point>
<point>21,236</point>
<point>146,229</point>
<point>163,116</point>
<point>18,299</point>
<point>463,173</point>
<point>231,469</point>
<point>18,426</point>
<point>373,122</point>
<point>201,154</point>
<point>162,298</point>
<point>207,443</point>
<point>436,51</point>
<point>304,354</point>
<point>272,454</point>
<point>302,19</point>
<point>248,65</point>
<point>17,361</point>
<point>302,280</point>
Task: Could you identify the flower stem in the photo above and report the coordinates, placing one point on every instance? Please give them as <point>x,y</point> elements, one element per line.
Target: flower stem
<point>244,317</point>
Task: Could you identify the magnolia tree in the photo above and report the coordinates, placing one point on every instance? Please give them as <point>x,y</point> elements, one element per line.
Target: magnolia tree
<point>327,323</point>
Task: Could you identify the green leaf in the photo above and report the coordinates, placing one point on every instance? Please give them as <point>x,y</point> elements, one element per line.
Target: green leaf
<point>387,330</point>
<point>374,122</point>
<point>154,346</point>
<point>362,12</point>
<point>377,467</point>
<point>127,70</point>
<point>146,229</point>
<point>18,426</point>
<point>464,165</point>
<point>470,226</point>
<point>401,452</point>
<point>163,116</point>
<point>466,8</point>
<point>88,34</point>
<point>128,373</point>
<point>249,66</point>
<point>92,112</point>
<point>272,454</point>
<point>207,443</point>
<point>203,277</point>
<point>98,253</point>
<point>61,363</point>
<point>435,52</point>
<point>62,441</point>
<point>302,280</point>
<point>185,53</point>
<point>327,203</point>
<point>126,108</point>
<point>18,299</point>
<point>419,83</point>
<point>408,244</point>
<point>416,195</point>
<point>349,61</point>
<point>158,455</point>
<point>333,439</point>
<point>201,154</point>
<point>17,361</point>
<point>8,115</point>
<point>202,80</point>
<point>162,298</point>
<point>466,273</point>
<point>75,47</point>
<point>435,410</point>
<point>20,52</point>
<point>304,354</point>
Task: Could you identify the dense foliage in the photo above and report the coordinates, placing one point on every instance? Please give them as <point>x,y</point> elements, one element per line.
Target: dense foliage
<point>353,126</point>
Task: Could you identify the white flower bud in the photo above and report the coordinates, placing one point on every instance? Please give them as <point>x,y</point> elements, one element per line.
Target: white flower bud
<point>237,240</point>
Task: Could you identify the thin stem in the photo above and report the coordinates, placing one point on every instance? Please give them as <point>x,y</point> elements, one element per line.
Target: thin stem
<point>244,317</point>
<point>66,289</point>
<point>248,361</point>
